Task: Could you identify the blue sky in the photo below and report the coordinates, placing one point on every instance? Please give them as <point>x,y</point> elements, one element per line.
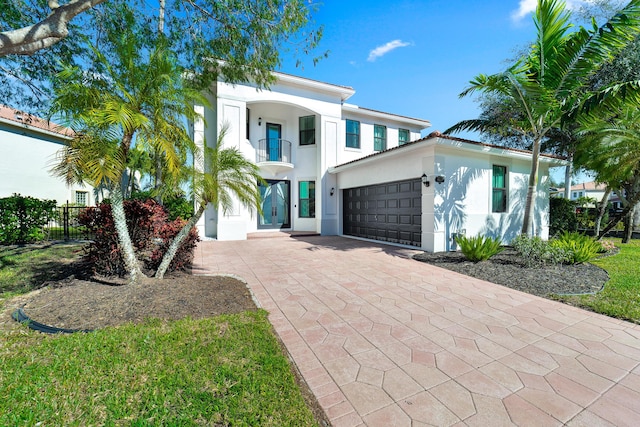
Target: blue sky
<point>414,57</point>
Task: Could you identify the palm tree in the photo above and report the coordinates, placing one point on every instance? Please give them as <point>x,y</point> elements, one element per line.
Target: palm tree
<point>548,86</point>
<point>611,148</point>
<point>139,97</point>
<point>221,175</point>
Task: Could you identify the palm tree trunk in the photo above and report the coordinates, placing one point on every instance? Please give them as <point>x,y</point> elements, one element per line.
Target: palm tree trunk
<point>602,208</point>
<point>628,226</point>
<point>568,171</point>
<point>177,241</point>
<point>124,240</point>
<point>530,205</point>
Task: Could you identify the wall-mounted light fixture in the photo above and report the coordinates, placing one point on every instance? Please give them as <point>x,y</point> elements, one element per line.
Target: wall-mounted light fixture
<point>425,180</point>
<point>439,179</point>
<point>259,121</point>
<point>333,190</point>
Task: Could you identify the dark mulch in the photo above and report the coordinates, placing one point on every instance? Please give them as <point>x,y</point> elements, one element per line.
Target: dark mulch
<point>508,269</point>
<point>74,299</point>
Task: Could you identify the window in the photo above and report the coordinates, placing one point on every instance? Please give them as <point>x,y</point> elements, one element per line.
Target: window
<point>403,136</point>
<point>81,198</point>
<point>379,137</point>
<point>307,199</point>
<point>499,187</point>
<point>307,127</point>
<point>353,134</point>
<point>248,115</point>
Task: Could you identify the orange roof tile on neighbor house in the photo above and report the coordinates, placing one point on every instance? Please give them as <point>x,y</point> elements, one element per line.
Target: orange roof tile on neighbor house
<point>29,120</point>
<point>586,186</point>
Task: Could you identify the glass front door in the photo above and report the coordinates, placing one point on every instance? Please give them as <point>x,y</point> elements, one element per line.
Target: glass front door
<point>274,136</point>
<point>274,200</point>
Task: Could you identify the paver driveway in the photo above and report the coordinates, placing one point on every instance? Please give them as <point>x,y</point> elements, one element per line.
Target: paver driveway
<point>383,340</point>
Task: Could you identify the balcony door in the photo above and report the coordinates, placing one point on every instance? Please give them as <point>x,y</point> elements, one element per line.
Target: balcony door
<point>274,136</point>
<point>275,202</point>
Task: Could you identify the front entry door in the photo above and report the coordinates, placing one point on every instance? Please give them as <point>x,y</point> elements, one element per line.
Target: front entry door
<point>274,199</point>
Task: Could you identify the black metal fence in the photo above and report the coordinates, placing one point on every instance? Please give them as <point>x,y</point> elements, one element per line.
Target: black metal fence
<point>64,224</point>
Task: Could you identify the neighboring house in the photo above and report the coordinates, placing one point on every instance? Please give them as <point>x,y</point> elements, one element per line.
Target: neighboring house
<point>29,146</point>
<point>338,169</point>
<point>592,190</point>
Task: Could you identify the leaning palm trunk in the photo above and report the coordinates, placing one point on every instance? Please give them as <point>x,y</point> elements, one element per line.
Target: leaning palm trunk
<point>124,240</point>
<point>602,208</point>
<point>177,241</point>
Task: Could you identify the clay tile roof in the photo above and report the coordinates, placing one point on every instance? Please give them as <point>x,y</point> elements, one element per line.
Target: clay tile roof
<point>26,119</point>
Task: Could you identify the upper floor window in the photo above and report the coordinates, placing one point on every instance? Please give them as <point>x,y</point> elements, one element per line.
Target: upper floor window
<point>307,199</point>
<point>307,126</point>
<point>353,134</point>
<point>499,189</point>
<point>82,198</point>
<point>403,136</point>
<point>379,137</point>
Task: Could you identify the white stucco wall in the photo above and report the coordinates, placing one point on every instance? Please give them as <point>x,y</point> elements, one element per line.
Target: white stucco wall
<point>27,157</point>
<point>462,204</point>
<point>287,100</point>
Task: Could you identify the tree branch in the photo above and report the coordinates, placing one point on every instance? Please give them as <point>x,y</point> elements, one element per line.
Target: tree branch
<point>29,40</point>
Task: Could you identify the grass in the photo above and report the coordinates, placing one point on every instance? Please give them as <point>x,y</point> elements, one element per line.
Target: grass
<point>22,267</point>
<point>227,370</point>
<point>620,297</point>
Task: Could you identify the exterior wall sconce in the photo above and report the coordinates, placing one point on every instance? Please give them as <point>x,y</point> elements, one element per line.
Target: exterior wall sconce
<point>425,180</point>
<point>439,179</point>
<point>333,190</point>
<point>259,121</point>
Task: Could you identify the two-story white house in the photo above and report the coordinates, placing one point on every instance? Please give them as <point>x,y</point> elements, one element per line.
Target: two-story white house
<point>334,168</point>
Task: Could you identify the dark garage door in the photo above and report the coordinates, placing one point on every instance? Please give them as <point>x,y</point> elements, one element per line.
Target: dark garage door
<point>391,212</point>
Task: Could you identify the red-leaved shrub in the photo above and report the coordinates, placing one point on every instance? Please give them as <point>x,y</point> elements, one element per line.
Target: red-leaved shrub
<point>151,233</point>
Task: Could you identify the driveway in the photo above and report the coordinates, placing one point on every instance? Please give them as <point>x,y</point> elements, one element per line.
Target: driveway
<point>383,340</point>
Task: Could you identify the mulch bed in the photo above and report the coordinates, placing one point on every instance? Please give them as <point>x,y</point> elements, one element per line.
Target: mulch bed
<point>508,269</point>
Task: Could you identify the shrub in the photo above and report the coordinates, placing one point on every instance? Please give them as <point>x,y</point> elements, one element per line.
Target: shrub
<point>535,251</point>
<point>580,248</point>
<point>22,218</point>
<point>479,248</point>
<point>562,216</point>
<point>606,246</point>
<point>150,232</point>
<point>179,207</point>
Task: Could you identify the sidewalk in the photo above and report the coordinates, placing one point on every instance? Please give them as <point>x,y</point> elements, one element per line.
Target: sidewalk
<point>383,340</point>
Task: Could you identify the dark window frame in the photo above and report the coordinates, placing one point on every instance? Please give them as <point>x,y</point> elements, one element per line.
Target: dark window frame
<point>304,134</point>
<point>310,199</point>
<point>351,136</point>
<point>379,143</point>
<point>400,140</point>
<point>499,193</point>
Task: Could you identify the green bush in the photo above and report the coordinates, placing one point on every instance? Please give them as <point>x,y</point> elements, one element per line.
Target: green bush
<point>580,248</point>
<point>176,204</point>
<point>535,251</point>
<point>562,216</point>
<point>22,219</point>
<point>479,248</point>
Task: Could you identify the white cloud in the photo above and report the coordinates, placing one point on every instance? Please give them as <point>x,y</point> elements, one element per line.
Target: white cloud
<point>527,7</point>
<point>385,48</point>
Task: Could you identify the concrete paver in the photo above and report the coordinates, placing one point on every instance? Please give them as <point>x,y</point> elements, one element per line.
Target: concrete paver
<point>384,340</point>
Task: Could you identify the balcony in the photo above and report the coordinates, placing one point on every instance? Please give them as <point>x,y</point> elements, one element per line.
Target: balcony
<point>274,155</point>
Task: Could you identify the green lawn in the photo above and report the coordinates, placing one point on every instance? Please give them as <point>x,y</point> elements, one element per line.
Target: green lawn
<point>621,294</point>
<point>228,370</point>
<point>24,267</point>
